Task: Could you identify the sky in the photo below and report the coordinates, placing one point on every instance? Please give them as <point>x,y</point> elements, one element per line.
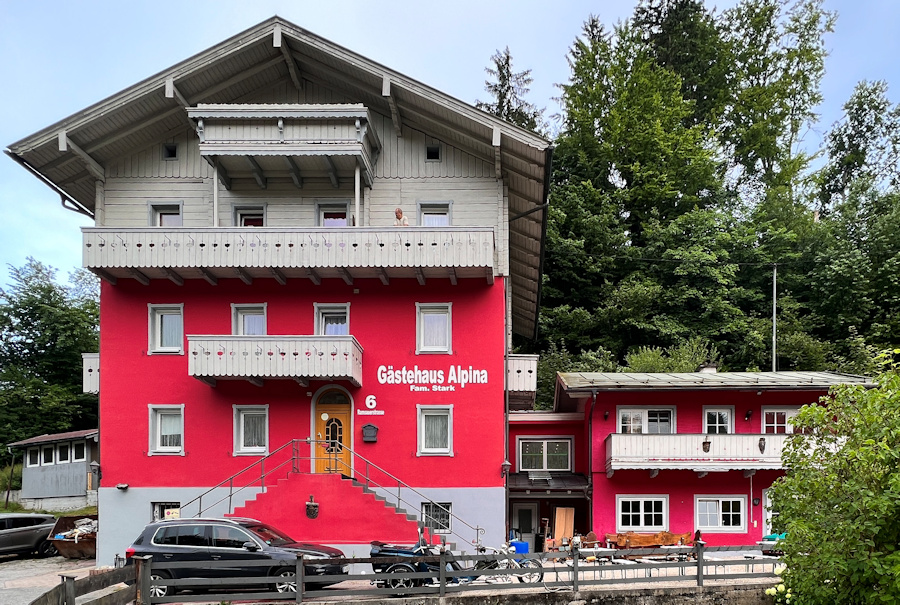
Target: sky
<point>58,57</point>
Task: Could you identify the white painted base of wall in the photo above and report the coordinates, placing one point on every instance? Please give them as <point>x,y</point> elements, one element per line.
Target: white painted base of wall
<point>57,505</point>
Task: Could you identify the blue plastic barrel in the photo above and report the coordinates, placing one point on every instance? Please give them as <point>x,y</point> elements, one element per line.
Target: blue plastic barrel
<point>519,546</point>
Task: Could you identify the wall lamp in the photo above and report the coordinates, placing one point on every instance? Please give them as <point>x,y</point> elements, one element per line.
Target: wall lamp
<point>121,486</point>
<point>748,415</point>
<point>606,415</point>
<point>504,468</point>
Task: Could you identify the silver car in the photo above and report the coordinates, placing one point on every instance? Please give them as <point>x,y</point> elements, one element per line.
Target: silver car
<point>26,533</point>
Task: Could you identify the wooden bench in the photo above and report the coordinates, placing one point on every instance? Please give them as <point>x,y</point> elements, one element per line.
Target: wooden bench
<point>635,540</point>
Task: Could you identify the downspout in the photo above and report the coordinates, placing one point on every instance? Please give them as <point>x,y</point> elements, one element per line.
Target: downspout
<point>589,493</point>
<point>64,197</point>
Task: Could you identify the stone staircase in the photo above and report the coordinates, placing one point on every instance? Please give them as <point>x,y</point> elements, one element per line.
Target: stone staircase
<point>348,512</point>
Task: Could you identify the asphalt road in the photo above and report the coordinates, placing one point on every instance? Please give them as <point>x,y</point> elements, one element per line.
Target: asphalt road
<point>23,579</point>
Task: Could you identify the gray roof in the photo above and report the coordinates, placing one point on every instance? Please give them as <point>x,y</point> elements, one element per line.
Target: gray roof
<point>69,436</point>
<point>234,69</point>
<point>636,381</point>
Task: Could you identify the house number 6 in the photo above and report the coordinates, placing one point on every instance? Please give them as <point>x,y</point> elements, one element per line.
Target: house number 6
<point>370,402</point>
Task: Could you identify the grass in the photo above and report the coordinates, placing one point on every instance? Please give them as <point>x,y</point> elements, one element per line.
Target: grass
<point>14,507</point>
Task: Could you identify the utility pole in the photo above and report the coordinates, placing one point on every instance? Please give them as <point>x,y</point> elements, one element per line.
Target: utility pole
<point>774,320</point>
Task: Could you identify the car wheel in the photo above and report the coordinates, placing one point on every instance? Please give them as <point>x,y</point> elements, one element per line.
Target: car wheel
<point>535,571</point>
<point>288,581</point>
<point>400,583</point>
<point>47,549</point>
<point>157,590</point>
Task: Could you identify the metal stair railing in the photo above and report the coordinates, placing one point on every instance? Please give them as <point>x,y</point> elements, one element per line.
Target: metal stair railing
<point>257,472</point>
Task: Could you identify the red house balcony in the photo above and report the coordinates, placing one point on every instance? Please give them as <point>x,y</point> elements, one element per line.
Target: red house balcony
<point>700,453</point>
<point>259,358</point>
<point>347,253</point>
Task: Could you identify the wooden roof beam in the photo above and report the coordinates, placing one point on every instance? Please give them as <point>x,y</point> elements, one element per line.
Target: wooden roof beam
<point>498,163</point>
<point>332,171</point>
<point>173,276</point>
<point>257,171</point>
<point>278,275</point>
<point>105,276</point>
<point>451,273</point>
<point>140,277</point>
<point>211,279</point>
<point>94,167</point>
<point>345,275</point>
<point>420,277</point>
<point>279,42</point>
<point>392,103</point>
<point>383,276</point>
<point>295,171</point>
<point>313,276</point>
<point>244,276</point>
<point>172,92</point>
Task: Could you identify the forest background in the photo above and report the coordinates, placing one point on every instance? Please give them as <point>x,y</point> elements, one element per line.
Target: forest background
<point>681,188</point>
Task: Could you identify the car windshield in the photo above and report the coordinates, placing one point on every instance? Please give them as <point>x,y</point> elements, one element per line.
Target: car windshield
<point>270,535</point>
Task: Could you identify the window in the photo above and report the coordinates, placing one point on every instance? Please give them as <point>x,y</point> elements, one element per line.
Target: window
<point>47,455</point>
<point>434,214</point>
<point>642,513</point>
<point>778,420</point>
<point>545,455</point>
<point>250,217</point>
<point>436,515</point>
<point>79,452</point>
<point>718,420</point>
<point>248,320</point>
<point>166,429</point>
<point>647,421</point>
<point>251,429</point>
<point>332,320</point>
<point>166,510</point>
<point>33,457</point>
<point>435,430</point>
<point>170,151</point>
<point>433,328</point>
<point>333,215</point>
<point>165,215</point>
<point>721,514</point>
<point>432,153</point>
<point>166,329</point>
<point>182,535</point>
<point>230,537</point>
<point>62,453</point>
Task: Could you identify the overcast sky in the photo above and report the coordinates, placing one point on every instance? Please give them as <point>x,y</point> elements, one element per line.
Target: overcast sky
<point>58,57</point>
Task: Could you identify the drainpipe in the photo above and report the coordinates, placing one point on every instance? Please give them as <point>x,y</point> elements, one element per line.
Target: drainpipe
<point>64,197</point>
<point>590,486</point>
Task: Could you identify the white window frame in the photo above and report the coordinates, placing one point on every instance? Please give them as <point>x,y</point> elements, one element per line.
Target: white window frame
<point>721,529</point>
<point>422,411</point>
<point>664,498</point>
<point>63,447</point>
<point>241,211</point>
<point>790,412</point>
<point>52,449</point>
<point>154,340</point>
<point>332,206</point>
<point>324,309</point>
<point>431,506</point>
<point>767,515</point>
<point>523,439</point>
<point>435,308</point>
<point>645,418</point>
<point>430,208</point>
<point>154,449</point>
<point>83,457</point>
<point>239,310</point>
<point>719,408</point>
<point>28,452</point>
<point>159,509</point>
<point>239,412</point>
<point>156,209</point>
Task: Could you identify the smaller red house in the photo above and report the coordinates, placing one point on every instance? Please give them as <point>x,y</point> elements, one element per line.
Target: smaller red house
<point>680,452</point>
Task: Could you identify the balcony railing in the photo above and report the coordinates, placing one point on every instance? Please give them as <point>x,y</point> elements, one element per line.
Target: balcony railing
<point>702,453</point>
<point>257,358</point>
<point>90,372</point>
<point>521,371</point>
<point>179,253</point>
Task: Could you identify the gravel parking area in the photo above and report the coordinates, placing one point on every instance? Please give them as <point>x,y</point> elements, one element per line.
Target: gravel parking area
<point>23,579</point>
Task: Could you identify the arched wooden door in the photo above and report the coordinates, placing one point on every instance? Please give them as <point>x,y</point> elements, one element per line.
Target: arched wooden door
<point>333,433</point>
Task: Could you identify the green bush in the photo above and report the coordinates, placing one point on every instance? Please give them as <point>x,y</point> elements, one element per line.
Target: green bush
<point>16,477</point>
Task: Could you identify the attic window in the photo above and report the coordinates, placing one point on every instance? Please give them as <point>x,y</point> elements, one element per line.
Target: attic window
<point>170,151</point>
<point>432,153</point>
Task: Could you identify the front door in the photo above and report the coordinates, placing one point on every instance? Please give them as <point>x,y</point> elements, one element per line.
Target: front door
<point>525,521</point>
<point>333,434</point>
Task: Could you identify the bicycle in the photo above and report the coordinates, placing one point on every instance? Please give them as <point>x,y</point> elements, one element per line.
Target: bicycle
<point>508,561</point>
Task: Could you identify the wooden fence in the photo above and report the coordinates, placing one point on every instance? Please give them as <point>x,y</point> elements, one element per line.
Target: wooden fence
<point>436,575</point>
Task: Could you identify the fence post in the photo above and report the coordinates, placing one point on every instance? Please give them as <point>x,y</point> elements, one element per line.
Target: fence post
<point>699,546</point>
<point>68,594</point>
<point>298,575</point>
<point>442,575</point>
<point>142,576</point>
<point>575,556</point>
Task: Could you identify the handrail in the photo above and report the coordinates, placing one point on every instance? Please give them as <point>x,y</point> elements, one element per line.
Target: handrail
<point>335,463</point>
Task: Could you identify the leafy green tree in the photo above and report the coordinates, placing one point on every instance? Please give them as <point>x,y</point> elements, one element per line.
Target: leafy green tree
<point>508,89</point>
<point>685,357</point>
<point>556,358</point>
<point>839,501</point>
<point>44,329</point>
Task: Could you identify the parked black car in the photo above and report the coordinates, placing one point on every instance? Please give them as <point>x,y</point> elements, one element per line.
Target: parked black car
<point>26,533</point>
<point>202,541</point>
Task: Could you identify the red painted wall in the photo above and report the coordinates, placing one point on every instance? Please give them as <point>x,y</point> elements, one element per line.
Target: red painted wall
<point>383,320</point>
<point>573,428</point>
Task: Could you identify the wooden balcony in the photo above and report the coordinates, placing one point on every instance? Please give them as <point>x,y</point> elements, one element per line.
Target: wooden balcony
<point>90,373</point>
<point>747,452</point>
<point>259,358</point>
<point>248,253</point>
<point>521,381</point>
